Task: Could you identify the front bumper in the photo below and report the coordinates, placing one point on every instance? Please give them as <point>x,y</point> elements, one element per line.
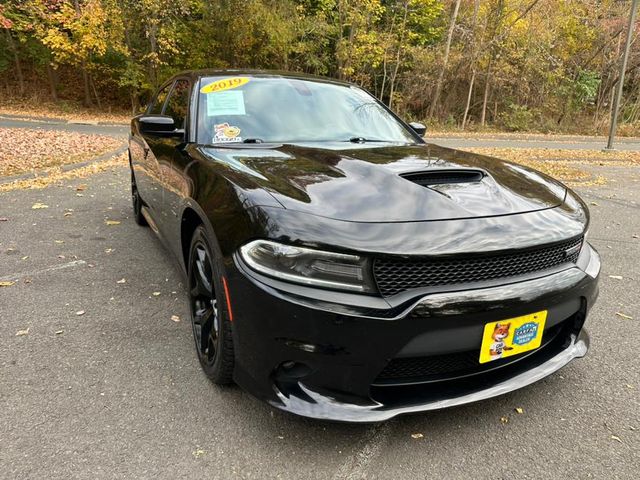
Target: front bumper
<point>320,354</point>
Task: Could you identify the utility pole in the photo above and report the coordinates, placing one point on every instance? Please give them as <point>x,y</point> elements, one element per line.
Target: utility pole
<point>623,68</point>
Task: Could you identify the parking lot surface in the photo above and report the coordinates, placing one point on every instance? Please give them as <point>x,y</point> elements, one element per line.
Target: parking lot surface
<point>98,381</point>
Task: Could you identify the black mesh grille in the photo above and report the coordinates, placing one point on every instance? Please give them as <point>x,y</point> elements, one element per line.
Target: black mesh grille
<point>395,276</point>
<point>439,367</point>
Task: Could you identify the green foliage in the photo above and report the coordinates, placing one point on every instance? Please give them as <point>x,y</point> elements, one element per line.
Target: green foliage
<point>517,118</point>
<point>532,63</point>
<point>586,87</point>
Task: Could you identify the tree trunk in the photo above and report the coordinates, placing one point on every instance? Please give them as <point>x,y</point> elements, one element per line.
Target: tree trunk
<point>88,102</point>
<point>53,83</point>
<point>398,55</point>
<point>487,86</point>
<point>474,58</point>
<point>445,60</point>
<point>152,58</point>
<point>469,95</point>
<point>95,92</point>
<point>16,60</point>
<point>134,102</point>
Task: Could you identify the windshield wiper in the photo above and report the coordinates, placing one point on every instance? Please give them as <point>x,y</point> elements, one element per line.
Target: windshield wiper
<point>253,140</point>
<point>366,140</point>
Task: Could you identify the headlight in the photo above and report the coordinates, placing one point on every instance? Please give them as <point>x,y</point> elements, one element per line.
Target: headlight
<point>309,267</point>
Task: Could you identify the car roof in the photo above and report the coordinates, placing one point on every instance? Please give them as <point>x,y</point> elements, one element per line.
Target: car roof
<point>210,72</point>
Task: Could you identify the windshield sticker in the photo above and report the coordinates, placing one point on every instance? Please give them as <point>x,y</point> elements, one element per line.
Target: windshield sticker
<point>225,133</point>
<point>225,103</point>
<point>224,84</point>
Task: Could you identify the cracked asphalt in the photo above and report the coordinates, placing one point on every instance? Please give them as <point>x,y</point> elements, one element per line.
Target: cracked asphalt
<point>117,392</point>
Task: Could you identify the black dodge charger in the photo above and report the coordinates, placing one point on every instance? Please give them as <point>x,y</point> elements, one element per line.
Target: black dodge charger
<point>338,266</point>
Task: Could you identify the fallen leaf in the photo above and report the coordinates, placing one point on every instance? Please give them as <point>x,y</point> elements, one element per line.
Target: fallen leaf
<point>616,438</point>
<point>615,277</point>
<point>59,241</point>
<point>80,312</point>
<point>108,250</point>
<point>7,284</point>
<point>519,410</point>
<point>122,280</point>
<point>630,386</point>
<point>417,435</point>
<point>175,318</point>
<point>112,222</point>
<point>622,315</point>
<point>22,333</point>
<point>40,150</point>
<point>81,188</point>
<point>61,256</point>
<point>594,204</point>
<point>38,206</point>
<point>504,419</point>
<point>68,214</point>
<point>155,294</point>
<point>198,452</point>
<point>59,332</point>
<point>25,257</point>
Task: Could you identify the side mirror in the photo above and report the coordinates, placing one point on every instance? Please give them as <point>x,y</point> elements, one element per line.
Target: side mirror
<point>419,128</point>
<point>162,125</point>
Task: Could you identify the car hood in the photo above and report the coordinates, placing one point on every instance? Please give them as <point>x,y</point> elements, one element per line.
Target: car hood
<point>373,183</point>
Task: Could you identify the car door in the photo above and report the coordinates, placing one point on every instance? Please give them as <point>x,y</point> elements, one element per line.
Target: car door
<point>175,185</point>
<point>144,148</point>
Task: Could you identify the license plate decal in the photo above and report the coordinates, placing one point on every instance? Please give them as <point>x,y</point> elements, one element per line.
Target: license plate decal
<point>512,336</point>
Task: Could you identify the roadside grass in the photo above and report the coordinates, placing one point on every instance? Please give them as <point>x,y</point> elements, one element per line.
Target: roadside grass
<point>32,150</point>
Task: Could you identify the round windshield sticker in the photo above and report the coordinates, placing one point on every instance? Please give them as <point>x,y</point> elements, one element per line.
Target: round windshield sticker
<point>224,84</point>
<point>525,333</point>
<point>224,132</point>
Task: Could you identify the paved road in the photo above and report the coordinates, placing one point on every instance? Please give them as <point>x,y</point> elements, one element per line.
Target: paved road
<point>117,391</point>
<point>498,141</point>
<point>111,130</point>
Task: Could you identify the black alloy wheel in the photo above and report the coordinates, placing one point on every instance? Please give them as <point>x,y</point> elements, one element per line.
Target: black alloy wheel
<point>209,315</point>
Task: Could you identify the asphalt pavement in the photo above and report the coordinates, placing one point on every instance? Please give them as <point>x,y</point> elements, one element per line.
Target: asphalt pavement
<point>102,383</point>
<point>52,124</point>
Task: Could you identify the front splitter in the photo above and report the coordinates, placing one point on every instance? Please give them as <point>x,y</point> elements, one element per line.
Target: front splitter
<point>311,404</point>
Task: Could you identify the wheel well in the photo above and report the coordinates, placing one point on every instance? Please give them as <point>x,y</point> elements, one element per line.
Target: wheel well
<point>190,221</point>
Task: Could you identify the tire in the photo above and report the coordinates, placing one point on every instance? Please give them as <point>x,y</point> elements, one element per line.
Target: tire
<point>137,203</point>
<point>209,313</point>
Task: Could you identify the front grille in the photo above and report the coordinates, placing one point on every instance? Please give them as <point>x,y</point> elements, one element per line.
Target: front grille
<point>395,276</point>
<point>441,367</point>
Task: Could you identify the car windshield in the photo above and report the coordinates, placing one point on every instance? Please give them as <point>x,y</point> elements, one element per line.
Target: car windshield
<point>286,110</point>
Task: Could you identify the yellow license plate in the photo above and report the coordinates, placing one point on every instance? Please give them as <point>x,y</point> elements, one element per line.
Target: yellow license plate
<point>512,336</point>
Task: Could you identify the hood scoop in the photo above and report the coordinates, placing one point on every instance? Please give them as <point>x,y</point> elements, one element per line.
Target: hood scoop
<point>444,177</point>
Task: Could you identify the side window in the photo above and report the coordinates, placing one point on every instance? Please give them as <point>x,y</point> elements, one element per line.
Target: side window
<point>178,103</point>
<point>158,102</point>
